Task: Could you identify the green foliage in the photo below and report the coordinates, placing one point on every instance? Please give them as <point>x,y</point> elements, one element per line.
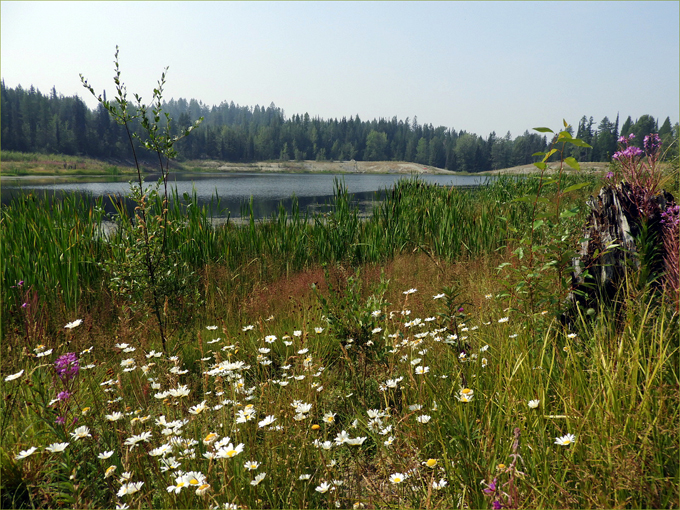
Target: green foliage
<point>34,122</point>
<point>350,315</point>
<point>539,278</point>
<point>144,268</point>
<point>602,383</point>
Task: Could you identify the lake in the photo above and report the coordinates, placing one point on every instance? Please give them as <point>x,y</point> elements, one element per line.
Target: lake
<point>235,190</point>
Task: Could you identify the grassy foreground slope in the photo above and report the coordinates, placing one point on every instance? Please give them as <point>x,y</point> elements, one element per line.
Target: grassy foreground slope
<point>411,377</point>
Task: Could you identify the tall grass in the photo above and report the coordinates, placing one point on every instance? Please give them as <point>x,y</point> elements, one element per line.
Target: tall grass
<point>442,406</point>
<point>53,245</point>
<point>56,245</point>
<point>613,384</point>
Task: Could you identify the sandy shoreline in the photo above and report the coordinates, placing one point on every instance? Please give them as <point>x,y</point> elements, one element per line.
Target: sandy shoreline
<point>368,167</point>
<point>331,167</point>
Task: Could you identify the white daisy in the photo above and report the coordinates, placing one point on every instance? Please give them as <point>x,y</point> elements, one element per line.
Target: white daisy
<point>81,433</point>
<point>74,324</point>
<point>56,447</point>
<point>565,440</point>
<point>14,376</point>
<point>129,488</point>
<point>268,420</point>
<point>25,453</point>
<point>258,479</point>
<point>323,487</point>
<point>398,478</point>
<point>251,465</point>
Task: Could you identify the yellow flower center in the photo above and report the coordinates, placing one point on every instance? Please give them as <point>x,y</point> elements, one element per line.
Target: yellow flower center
<point>193,481</point>
<point>500,466</point>
<point>466,391</point>
<point>315,427</point>
<point>431,463</point>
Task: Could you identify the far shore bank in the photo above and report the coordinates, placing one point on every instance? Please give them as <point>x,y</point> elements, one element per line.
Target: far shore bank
<point>91,169</point>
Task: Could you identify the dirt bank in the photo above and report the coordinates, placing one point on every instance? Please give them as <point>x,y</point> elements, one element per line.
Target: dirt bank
<point>354,167</point>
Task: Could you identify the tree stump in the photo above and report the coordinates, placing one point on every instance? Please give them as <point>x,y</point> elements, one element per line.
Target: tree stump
<point>608,250</point>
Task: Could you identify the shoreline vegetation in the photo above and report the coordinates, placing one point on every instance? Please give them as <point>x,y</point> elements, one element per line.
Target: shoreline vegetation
<point>388,362</point>
<point>15,165</point>
<point>436,354</point>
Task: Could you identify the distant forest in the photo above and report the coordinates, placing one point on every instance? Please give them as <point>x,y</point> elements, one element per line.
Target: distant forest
<point>34,122</point>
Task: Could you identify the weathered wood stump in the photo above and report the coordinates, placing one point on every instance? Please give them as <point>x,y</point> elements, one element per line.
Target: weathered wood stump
<point>608,250</point>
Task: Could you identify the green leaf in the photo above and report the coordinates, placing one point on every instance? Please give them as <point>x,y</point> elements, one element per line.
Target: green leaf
<point>566,125</point>
<point>526,198</point>
<point>552,151</point>
<point>543,130</point>
<point>540,165</point>
<point>579,143</point>
<point>575,187</point>
<point>538,223</point>
<point>564,135</point>
<point>567,214</point>
<point>538,154</point>
<point>572,163</point>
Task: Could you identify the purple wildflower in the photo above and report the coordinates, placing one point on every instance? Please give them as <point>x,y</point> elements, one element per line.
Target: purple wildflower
<point>610,175</point>
<point>491,488</point>
<point>671,216</point>
<point>629,152</point>
<point>652,143</point>
<point>497,504</point>
<point>67,366</point>
<point>64,395</point>
<point>60,420</point>
<point>460,309</point>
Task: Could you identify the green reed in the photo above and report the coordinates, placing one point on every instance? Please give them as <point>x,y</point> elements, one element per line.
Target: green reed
<point>56,245</point>
<point>53,245</point>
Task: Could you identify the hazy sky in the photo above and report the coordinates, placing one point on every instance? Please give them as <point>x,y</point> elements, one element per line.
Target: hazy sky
<point>477,66</point>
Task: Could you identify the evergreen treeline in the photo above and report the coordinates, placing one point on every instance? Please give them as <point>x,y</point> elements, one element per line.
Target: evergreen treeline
<point>34,122</point>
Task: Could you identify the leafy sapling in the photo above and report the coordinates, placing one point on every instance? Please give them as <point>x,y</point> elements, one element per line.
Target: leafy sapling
<point>143,268</point>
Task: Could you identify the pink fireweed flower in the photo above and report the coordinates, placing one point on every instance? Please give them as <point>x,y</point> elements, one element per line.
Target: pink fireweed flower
<point>67,366</point>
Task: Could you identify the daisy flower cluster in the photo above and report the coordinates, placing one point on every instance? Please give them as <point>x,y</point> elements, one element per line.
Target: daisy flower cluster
<point>263,409</point>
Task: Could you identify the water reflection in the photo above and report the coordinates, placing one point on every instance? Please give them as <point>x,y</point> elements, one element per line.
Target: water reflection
<point>234,191</point>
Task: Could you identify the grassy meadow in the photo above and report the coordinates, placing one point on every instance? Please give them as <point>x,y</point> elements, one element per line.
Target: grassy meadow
<point>329,361</point>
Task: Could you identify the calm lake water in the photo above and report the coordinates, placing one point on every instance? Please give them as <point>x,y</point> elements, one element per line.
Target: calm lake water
<point>235,190</point>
